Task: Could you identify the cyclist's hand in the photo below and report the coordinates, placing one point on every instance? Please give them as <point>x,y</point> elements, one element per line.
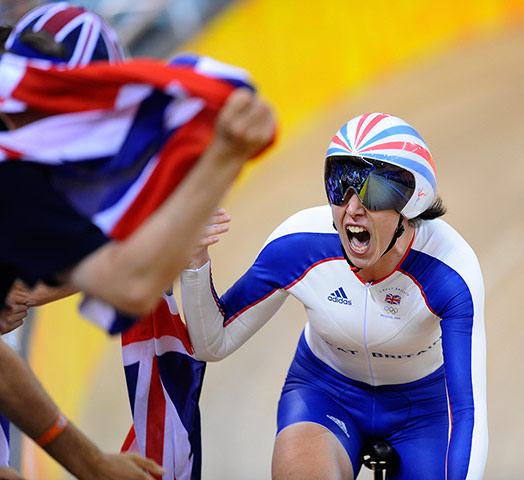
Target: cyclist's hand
<point>217,226</point>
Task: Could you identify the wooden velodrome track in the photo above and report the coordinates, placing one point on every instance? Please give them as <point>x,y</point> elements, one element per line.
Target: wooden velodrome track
<point>469,107</point>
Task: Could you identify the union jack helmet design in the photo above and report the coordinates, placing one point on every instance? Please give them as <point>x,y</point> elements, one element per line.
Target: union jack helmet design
<point>390,140</point>
<point>85,36</point>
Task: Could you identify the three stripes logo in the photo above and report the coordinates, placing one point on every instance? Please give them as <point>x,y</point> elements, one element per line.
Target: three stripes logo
<point>339,296</point>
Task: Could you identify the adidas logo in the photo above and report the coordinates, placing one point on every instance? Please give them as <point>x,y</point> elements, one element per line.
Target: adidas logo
<point>339,296</point>
<point>340,423</point>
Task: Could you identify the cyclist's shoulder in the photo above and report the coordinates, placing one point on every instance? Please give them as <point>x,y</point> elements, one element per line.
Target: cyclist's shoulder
<point>439,250</point>
<point>307,223</point>
<point>439,239</point>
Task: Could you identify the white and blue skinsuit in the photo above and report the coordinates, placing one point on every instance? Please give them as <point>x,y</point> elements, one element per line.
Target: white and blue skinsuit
<point>400,359</point>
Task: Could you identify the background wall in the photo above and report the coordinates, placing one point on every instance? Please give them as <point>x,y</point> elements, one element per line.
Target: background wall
<point>451,69</point>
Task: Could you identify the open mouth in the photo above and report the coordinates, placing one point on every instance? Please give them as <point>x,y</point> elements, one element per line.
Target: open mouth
<point>359,238</point>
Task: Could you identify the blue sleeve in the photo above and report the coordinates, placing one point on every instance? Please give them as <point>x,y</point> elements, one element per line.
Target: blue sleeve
<point>450,298</point>
<point>457,329</point>
<point>281,262</point>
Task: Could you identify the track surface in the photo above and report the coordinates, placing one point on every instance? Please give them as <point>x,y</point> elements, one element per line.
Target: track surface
<point>468,106</point>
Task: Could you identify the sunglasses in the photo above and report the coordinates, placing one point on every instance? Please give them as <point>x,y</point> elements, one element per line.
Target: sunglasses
<point>379,185</point>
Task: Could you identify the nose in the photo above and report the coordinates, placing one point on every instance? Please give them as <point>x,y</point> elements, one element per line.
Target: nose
<point>354,206</point>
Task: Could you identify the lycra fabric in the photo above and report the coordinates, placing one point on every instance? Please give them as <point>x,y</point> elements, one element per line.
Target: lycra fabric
<point>427,314</point>
<point>412,417</point>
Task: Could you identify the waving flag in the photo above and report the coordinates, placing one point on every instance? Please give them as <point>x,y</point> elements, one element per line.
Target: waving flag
<point>164,383</point>
<point>120,138</point>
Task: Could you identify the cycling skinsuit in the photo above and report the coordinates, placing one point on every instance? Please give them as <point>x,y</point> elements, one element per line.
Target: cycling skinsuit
<point>401,359</point>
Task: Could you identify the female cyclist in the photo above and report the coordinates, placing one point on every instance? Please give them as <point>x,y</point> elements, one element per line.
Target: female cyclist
<point>394,346</point>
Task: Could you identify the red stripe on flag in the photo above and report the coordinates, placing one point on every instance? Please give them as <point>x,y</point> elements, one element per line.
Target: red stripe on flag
<point>130,440</point>
<point>11,154</point>
<point>176,159</point>
<point>155,418</point>
<point>64,91</point>
<point>161,322</point>
<point>61,19</point>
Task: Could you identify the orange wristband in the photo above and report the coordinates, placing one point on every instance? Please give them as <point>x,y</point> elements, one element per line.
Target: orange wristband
<point>53,431</point>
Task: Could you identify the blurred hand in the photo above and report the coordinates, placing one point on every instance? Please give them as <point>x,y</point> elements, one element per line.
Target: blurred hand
<point>15,309</point>
<point>19,294</point>
<point>11,317</point>
<point>41,294</point>
<point>9,473</point>
<point>210,236</point>
<point>127,466</point>
<point>245,125</point>
<point>20,298</point>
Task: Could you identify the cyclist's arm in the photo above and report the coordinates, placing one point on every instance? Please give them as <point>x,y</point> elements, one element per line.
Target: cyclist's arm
<point>219,326</point>
<point>464,350</point>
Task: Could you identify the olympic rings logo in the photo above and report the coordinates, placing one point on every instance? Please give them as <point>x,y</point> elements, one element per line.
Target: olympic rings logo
<point>391,310</point>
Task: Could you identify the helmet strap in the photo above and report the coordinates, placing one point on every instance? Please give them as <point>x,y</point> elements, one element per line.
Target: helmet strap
<point>398,232</point>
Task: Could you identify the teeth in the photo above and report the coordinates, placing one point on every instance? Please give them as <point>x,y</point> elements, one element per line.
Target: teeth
<point>357,248</point>
<point>354,229</point>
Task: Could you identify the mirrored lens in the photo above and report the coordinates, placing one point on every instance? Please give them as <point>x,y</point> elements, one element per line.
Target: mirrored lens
<point>380,185</point>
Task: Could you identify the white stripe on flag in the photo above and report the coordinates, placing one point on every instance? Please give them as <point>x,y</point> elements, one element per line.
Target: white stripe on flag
<point>136,351</point>
<point>105,220</point>
<point>176,436</point>
<point>12,69</point>
<point>72,136</point>
<point>4,449</point>
<point>179,112</point>
<point>140,407</point>
<point>215,68</point>
<point>98,312</point>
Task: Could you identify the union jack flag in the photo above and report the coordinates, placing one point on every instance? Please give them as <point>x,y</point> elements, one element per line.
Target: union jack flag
<point>164,383</point>
<point>120,137</point>
<point>4,441</point>
<point>392,299</point>
<point>134,130</point>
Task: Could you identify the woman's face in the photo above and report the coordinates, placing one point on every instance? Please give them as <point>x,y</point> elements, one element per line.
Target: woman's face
<point>365,234</point>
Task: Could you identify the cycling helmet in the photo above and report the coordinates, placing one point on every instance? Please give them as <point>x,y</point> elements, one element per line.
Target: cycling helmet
<point>84,35</point>
<point>385,161</point>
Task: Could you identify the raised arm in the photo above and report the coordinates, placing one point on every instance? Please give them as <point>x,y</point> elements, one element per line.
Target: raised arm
<point>24,402</point>
<point>219,326</point>
<point>132,274</point>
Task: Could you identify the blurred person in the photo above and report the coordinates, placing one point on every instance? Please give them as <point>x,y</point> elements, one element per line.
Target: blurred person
<point>394,346</point>
<point>121,148</point>
<point>111,169</point>
<point>27,405</point>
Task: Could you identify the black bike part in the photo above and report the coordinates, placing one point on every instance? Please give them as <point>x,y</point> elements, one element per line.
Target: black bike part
<point>379,456</point>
